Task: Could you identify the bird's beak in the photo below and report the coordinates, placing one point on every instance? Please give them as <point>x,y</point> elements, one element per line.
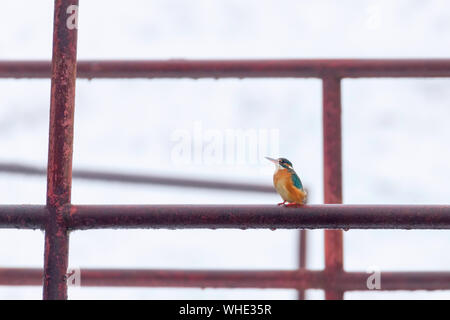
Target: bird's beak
<point>272,160</point>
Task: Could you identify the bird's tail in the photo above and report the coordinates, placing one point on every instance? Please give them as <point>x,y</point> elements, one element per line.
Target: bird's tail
<point>305,199</point>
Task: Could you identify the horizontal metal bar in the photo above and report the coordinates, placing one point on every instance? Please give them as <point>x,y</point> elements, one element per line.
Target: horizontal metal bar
<point>276,279</point>
<point>23,216</point>
<point>257,217</point>
<point>95,175</point>
<point>357,281</point>
<point>342,68</point>
<point>83,217</point>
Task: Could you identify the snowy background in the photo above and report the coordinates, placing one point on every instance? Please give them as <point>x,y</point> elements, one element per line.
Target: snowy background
<point>395,131</point>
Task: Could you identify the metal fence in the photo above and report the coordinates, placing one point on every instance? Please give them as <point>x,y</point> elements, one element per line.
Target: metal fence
<point>59,217</point>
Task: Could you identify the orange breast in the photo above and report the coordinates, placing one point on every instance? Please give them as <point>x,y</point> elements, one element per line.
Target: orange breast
<point>282,182</point>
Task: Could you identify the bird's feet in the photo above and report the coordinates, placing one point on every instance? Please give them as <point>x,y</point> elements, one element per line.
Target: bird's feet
<point>293,204</point>
<point>281,203</point>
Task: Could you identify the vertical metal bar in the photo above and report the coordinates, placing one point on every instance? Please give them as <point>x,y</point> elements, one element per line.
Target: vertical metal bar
<point>332,157</point>
<point>59,174</point>
<point>302,259</point>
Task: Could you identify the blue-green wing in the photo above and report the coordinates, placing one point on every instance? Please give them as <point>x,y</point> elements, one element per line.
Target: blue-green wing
<point>296,180</point>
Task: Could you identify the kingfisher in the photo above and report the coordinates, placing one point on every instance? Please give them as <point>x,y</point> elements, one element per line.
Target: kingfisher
<point>287,183</point>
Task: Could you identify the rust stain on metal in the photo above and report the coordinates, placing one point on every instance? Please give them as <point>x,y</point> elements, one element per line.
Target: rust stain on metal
<point>195,69</point>
<point>85,217</point>
<point>332,171</point>
<point>280,279</point>
<point>302,258</point>
<point>23,216</point>
<point>59,171</point>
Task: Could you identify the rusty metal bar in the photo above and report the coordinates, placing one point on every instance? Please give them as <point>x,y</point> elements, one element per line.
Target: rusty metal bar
<point>23,216</point>
<point>332,161</point>
<point>59,172</point>
<point>302,256</point>
<point>277,279</point>
<point>354,281</point>
<point>342,68</point>
<point>84,217</point>
<point>95,175</point>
